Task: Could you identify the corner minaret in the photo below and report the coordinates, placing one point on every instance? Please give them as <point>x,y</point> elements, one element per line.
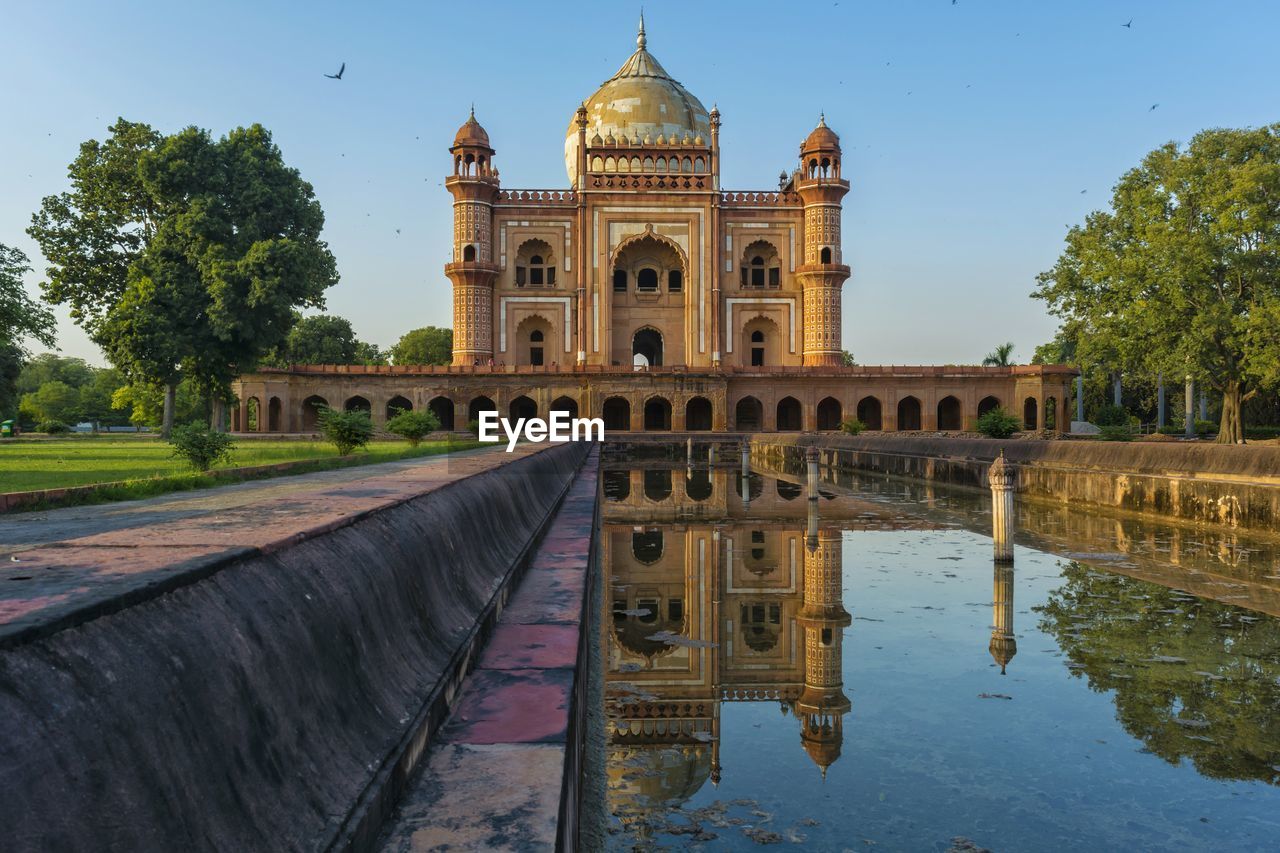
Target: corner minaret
<point>822,273</point>
<point>1004,645</point>
<point>474,186</point>
<point>822,705</point>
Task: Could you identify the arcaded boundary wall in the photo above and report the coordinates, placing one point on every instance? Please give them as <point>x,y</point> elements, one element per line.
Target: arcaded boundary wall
<point>1220,484</point>
<point>276,701</point>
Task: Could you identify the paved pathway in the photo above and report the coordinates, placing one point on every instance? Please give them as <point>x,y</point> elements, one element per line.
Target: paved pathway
<point>61,566</point>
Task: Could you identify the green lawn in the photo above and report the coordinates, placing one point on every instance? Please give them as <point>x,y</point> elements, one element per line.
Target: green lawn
<point>54,464</point>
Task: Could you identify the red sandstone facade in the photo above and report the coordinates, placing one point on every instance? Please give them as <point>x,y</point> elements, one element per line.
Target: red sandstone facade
<point>647,295</point>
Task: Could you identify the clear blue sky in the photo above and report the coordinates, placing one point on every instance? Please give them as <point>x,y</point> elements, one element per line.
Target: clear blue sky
<point>969,130</point>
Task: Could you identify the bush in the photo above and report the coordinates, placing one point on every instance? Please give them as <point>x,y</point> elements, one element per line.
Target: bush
<point>1113,432</point>
<point>413,426</point>
<point>200,446</point>
<point>1206,427</point>
<point>347,431</point>
<point>1111,415</point>
<point>1259,433</point>
<point>53,427</point>
<point>998,423</point>
<point>852,426</point>
<point>473,426</point>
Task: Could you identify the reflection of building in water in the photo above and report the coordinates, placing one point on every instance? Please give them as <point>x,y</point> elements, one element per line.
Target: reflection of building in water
<point>1003,644</point>
<point>716,596</point>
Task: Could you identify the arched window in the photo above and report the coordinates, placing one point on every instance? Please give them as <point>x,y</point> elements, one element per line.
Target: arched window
<point>535,347</point>
<point>761,265</point>
<point>535,265</point>
<point>825,255</point>
<point>675,281</point>
<point>619,281</point>
<point>468,253</point>
<point>647,280</point>
<point>757,348</point>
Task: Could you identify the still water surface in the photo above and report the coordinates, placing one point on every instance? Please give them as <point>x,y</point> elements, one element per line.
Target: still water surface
<point>855,673</point>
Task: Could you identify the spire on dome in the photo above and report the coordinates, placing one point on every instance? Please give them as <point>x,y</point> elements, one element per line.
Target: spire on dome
<point>641,41</point>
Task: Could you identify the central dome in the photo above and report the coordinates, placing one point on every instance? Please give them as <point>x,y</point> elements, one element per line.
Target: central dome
<point>641,100</point>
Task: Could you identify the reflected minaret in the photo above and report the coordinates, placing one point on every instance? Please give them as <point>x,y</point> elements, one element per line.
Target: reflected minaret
<point>822,705</point>
<point>1003,644</point>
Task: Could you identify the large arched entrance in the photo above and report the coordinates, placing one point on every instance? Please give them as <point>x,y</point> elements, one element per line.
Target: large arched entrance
<point>697,414</point>
<point>646,348</point>
<point>311,409</point>
<point>616,413</point>
<point>790,416</point>
<point>909,413</point>
<point>442,408</point>
<point>396,405</point>
<point>987,404</point>
<point>748,415</point>
<point>869,412</point>
<point>657,415</point>
<point>829,414</point>
<point>358,404</point>
<point>1029,414</point>
<point>568,405</point>
<point>522,408</point>
<point>273,414</point>
<point>949,417</point>
<point>478,405</point>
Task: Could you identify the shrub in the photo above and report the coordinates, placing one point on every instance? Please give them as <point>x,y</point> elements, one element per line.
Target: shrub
<point>998,423</point>
<point>200,446</point>
<point>413,426</point>
<point>53,427</point>
<point>473,426</point>
<point>852,426</point>
<point>347,431</point>
<point>1206,427</point>
<point>1111,415</point>
<point>1259,433</point>
<point>1113,432</point>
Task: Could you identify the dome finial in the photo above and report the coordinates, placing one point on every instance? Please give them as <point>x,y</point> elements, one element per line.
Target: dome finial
<point>641,41</point>
<point>822,119</point>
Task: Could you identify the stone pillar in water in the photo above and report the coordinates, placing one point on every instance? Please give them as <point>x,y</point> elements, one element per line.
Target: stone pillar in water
<point>1188,422</point>
<point>1003,644</point>
<point>746,459</point>
<point>1000,477</point>
<point>811,458</point>
<point>1080,397</point>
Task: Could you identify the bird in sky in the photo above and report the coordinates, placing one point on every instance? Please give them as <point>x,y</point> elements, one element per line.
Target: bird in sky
<point>1153,106</point>
<point>1082,192</point>
<point>338,76</point>
<point>1129,25</point>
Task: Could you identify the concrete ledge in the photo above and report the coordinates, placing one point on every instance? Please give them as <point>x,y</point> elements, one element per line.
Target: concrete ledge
<point>1221,484</point>
<point>506,773</point>
<point>239,680</point>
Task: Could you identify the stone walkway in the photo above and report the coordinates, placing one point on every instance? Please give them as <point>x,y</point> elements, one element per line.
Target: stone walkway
<point>506,759</point>
<point>62,566</point>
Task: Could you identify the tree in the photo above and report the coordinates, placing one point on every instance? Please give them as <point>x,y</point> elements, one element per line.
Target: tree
<point>145,403</point>
<point>846,358</point>
<point>1181,275</point>
<point>347,431</point>
<point>182,255</point>
<point>49,367</point>
<point>1001,356</point>
<point>324,339</point>
<point>429,345</point>
<point>413,426</point>
<point>20,317</point>
<point>53,401</point>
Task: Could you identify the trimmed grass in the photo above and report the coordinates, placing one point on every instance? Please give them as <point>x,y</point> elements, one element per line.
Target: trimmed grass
<point>151,468</point>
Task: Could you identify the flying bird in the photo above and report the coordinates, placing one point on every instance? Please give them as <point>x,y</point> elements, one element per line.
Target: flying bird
<point>1153,106</point>
<point>338,76</point>
<point>1129,25</point>
<point>1082,192</point>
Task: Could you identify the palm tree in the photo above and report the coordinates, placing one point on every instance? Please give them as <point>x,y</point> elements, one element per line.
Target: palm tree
<point>1002,356</point>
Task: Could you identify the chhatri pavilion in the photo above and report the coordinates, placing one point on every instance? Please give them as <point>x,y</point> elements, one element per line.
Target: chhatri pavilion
<point>646,294</point>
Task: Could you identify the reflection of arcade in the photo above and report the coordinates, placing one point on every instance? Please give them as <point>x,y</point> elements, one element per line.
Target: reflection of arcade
<point>719,598</point>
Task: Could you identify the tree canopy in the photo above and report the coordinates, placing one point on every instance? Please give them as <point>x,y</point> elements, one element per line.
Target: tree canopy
<point>324,339</point>
<point>1001,356</point>
<point>183,255</point>
<point>20,317</point>
<point>429,345</point>
<point>1180,276</point>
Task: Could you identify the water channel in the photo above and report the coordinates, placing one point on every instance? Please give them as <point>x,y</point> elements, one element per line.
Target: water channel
<point>855,672</point>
